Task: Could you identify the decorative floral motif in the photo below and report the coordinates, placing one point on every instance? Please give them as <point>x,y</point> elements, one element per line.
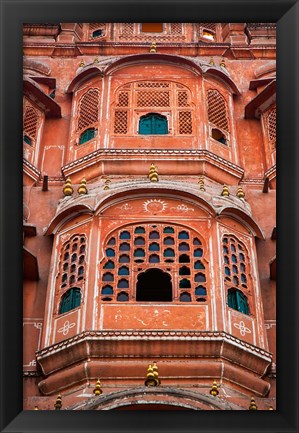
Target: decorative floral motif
<point>242,328</point>
<point>66,327</point>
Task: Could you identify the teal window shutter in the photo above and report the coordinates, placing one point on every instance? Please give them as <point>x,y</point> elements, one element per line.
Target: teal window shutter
<point>87,135</point>
<point>153,124</point>
<point>70,300</point>
<point>231,299</point>
<point>242,302</point>
<point>27,139</point>
<point>237,300</point>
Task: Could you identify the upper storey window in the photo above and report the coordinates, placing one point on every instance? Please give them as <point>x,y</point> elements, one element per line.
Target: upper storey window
<point>153,107</point>
<point>152,27</point>
<point>96,31</point>
<point>88,115</point>
<point>153,124</point>
<point>72,269</point>
<point>236,274</point>
<point>271,126</point>
<point>31,125</point>
<point>154,263</point>
<point>218,116</point>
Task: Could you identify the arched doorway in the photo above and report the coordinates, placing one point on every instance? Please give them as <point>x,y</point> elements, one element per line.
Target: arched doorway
<point>154,285</point>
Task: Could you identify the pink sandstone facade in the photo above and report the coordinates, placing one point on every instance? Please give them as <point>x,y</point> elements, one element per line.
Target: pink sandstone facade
<point>149,215</point>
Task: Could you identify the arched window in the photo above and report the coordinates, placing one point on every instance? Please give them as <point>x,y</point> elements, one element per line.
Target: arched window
<point>88,110</point>
<point>144,247</point>
<point>235,263</point>
<point>154,285</point>
<point>70,300</point>
<point>30,125</point>
<point>153,124</point>
<point>218,116</point>
<point>72,267</point>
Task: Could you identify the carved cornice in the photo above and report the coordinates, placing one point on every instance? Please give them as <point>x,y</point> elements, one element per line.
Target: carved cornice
<point>110,154</point>
<point>146,335</point>
<point>31,170</point>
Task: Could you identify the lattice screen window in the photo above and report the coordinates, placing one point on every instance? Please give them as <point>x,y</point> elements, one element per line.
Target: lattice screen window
<point>88,109</point>
<point>128,28</point>
<point>271,126</point>
<point>217,110</point>
<point>236,274</point>
<point>96,30</point>
<point>176,28</point>
<point>159,97</point>
<point>72,265</point>
<point>30,124</point>
<point>207,31</point>
<point>137,254</point>
<point>185,122</point>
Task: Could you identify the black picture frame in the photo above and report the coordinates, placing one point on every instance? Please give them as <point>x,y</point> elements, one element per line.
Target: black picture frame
<point>13,14</point>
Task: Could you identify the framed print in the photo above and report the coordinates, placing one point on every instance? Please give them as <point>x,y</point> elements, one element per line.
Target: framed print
<point>142,216</point>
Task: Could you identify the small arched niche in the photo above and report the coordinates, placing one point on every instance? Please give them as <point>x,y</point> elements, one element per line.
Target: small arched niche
<point>154,285</point>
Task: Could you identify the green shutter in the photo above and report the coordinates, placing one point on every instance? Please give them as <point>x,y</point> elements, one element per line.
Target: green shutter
<point>70,300</point>
<point>87,135</point>
<point>242,302</point>
<point>153,124</point>
<point>231,299</point>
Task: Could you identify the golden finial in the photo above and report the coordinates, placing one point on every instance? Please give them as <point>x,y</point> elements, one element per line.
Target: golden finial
<point>107,181</point>
<point>81,64</point>
<point>96,60</point>
<point>82,187</point>
<point>212,63</point>
<point>225,191</point>
<point>36,408</point>
<point>201,183</point>
<point>150,377</point>
<point>58,403</point>
<point>214,390</point>
<point>252,405</point>
<point>222,64</point>
<point>67,189</point>
<point>153,174</point>
<point>98,389</point>
<point>156,373</point>
<point>153,47</point>
<point>240,192</point>
<point>270,408</point>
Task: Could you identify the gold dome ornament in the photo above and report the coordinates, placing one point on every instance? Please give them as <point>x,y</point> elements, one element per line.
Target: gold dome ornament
<point>151,379</point>
<point>107,182</point>
<point>81,64</point>
<point>98,390</point>
<point>153,47</point>
<point>214,390</point>
<point>58,403</point>
<point>153,174</point>
<point>156,373</point>
<point>96,60</point>
<point>67,189</point>
<point>82,188</point>
<point>212,63</point>
<point>201,184</point>
<point>225,191</point>
<point>240,192</point>
<point>222,64</point>
<point>270,408</point>
<point>36,408</point>
<point>252,405</point>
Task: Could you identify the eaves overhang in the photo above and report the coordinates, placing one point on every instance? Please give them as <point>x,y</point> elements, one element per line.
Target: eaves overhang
<point>261,102</point>
<point>33,91</point>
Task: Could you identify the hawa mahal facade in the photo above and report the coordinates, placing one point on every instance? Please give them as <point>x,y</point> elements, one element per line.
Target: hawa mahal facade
<point>149,216</point>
